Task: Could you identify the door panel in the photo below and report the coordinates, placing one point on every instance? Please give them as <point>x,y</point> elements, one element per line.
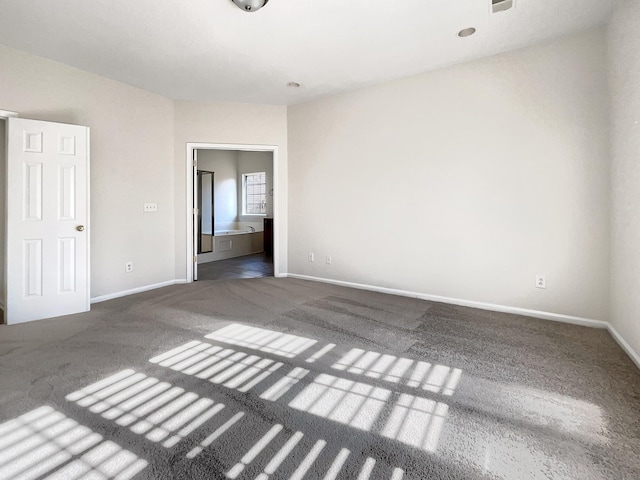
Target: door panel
<point>33,268</point>
<point>32,191</point>
<point>67,265</point>
<point>47,220</point>
<point>67,192</point>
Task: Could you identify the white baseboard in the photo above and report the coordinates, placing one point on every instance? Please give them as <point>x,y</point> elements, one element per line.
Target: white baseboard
<point>556,317</point>
<point>624,345</point>
<point>145,288</point>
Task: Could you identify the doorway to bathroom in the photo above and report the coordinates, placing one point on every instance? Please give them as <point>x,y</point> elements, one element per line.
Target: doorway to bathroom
<point>232,200</point>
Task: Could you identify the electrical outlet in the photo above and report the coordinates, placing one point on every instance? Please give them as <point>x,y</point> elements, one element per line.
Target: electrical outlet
<point>328,259</point>
<point>541,281</point>
<point>150,207</point>
<point>128,267</point>
<point>311,257</point>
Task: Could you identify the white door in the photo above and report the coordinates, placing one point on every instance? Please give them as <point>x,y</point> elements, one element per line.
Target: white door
<point>47,245</point>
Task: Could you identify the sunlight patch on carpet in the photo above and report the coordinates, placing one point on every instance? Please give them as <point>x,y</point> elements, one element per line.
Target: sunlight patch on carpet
<point>412,373</point>
<point>268,341</point>
<point>45,442</point>
<point>161,412</point>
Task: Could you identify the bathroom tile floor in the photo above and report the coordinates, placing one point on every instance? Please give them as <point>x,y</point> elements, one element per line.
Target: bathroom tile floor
<point>248,266</point>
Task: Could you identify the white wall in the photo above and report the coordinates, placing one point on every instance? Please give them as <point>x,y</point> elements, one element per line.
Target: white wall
<point>132,162</point>
<point>229,166</point>
<point>624,55</point>
<point>133,136</point>
<point>229,124</point>
<point>251,162</point>
<point>465,182</point>
<point>224,164</point>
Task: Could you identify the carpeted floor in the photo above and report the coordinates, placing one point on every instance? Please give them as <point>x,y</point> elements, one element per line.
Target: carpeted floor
<point>272,378</point>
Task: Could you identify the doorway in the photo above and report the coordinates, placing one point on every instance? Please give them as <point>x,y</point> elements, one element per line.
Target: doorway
<point>232,213</point>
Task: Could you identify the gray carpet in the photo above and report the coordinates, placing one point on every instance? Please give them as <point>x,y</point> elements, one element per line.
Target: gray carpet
<point>278,378</point>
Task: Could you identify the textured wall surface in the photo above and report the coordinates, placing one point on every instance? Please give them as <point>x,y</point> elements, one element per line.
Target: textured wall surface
<point>131,162</point>
<point>624,68</point>
<point>465,182</point>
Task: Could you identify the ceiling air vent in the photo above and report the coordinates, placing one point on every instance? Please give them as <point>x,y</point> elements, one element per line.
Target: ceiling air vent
<point>501,5</point>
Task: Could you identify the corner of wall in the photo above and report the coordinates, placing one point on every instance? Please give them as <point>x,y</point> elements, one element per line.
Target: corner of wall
<point>623,43</point>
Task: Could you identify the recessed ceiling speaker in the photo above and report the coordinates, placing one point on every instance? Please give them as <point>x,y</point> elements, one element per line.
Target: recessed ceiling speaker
<point>250,5</point>
<point>501,5</point>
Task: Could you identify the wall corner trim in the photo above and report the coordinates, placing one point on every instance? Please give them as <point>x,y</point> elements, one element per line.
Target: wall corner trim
<point>145,288</point>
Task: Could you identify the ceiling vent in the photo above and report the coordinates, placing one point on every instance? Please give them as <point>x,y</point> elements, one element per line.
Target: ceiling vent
<point>501,5</point>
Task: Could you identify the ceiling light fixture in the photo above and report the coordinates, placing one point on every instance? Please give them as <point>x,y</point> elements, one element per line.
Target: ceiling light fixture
<point>466,32</point>
<point>293,84</point>
<point>250,5</point>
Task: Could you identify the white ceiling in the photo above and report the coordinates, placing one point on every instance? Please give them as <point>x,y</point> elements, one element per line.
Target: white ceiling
<point>210,50</point>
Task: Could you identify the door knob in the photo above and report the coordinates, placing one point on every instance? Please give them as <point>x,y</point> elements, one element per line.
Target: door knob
<point>80,228</point>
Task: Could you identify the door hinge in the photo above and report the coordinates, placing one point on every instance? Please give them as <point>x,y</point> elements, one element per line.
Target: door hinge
<point>195,211</point>
<point>195,259</point>
<point>195,163</point>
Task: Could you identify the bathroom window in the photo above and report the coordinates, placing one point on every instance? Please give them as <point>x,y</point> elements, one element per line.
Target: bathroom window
<point>254,189</point>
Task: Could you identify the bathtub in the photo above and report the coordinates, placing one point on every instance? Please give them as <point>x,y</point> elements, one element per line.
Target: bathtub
<point>232,232</point>
<point>233,242</point>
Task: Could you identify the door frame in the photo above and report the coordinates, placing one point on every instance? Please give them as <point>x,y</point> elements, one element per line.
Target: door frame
<point>191,200</point>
